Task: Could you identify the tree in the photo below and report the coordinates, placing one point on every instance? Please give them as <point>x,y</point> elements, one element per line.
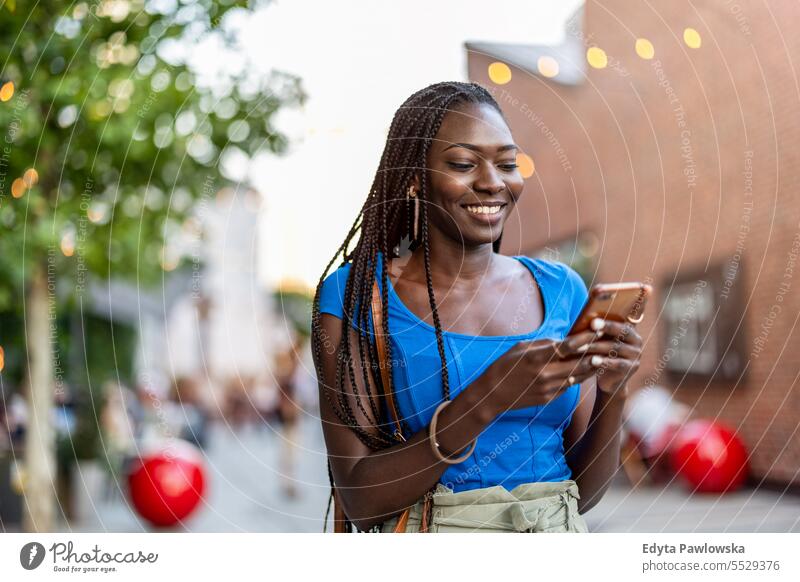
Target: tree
<point>108,143</point>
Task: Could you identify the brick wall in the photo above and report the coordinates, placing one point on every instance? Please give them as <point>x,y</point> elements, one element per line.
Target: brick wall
<point>655,157</point>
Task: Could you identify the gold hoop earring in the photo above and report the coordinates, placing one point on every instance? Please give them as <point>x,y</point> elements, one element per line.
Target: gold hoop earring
<point>409,195</point>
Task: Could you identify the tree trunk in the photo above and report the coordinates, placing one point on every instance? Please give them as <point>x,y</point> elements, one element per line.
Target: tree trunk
<point>39,483</point>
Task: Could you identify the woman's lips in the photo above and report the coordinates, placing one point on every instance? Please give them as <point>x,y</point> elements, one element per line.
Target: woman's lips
<point>485,217</point>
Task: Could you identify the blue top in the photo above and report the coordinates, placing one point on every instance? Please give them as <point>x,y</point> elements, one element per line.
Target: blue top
<point>521,445</point>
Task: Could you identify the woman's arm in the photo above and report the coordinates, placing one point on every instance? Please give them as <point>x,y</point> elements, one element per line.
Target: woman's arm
<point>592,442</point>
<point>375,485</point>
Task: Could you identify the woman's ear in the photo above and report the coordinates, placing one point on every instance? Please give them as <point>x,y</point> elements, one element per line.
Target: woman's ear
<point>415,182</point>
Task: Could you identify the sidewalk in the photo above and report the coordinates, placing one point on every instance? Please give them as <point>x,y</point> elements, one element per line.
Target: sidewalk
<point>243,487</point>
<point>672,509</point>
<point>244,496</point>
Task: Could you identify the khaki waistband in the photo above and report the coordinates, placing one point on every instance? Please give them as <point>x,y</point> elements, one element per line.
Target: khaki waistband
<point>445,496</point>
<point>530,507</point>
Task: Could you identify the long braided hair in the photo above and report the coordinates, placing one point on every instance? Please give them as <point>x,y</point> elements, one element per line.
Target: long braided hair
<point>386,217</point>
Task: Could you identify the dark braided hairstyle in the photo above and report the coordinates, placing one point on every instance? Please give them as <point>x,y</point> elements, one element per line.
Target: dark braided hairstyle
<point>385,218</point>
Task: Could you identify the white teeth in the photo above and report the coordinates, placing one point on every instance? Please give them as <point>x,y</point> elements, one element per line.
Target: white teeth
<point>483,209</point>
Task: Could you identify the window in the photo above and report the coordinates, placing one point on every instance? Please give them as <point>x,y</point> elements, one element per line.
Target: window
<point>689,313</point>
<point>703,321</point>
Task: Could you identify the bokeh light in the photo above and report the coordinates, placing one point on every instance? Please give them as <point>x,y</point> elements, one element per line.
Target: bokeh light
<point>68,244</point>
<point>526,166</point>
<point>499,73</point>
<point>18,188</point>
<point>30,177</point>
<point>7,91</point>
<point>645,49</point>
<point>548,66</point>
<point>692,38</point>
<point>596,57</point>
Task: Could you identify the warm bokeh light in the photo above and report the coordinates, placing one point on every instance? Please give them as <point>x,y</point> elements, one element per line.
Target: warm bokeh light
<point>548,66</point>
<point>2,359</point>
<point>526,166</point>
<point>7,91</point>
<point>68,244</point>
<point>596,57</point>
<point>30,177</point>
<point>499,73</point>
<point>644,48</point>
<point>18,188</point>
<point>169,259</point>
<point>96,213</point>
<point>692,38</point>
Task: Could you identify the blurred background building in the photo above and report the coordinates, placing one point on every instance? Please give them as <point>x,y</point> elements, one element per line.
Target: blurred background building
<point>664,144</point>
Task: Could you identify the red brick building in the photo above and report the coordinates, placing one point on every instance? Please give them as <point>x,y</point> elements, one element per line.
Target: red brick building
<point>666,143</point>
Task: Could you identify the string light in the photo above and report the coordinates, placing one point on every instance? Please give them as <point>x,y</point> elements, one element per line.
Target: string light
<point>548,66</point>
<point>597,57</point>
<point>692,38</point>
<point>525,165</point>
<point>499,73</point>
<point>644,48</point>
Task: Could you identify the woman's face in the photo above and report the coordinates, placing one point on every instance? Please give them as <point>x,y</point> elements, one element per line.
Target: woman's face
<point>473,178</point>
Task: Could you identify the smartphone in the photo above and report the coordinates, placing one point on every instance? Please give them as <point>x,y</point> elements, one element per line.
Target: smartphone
<point>613,301</point>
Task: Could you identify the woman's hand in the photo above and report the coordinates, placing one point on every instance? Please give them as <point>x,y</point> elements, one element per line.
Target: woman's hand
<point>535,372</point>
<point>616,354</point>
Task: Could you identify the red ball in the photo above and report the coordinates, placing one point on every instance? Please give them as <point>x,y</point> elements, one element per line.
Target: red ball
<point>709,456</point>
<point>167,484</point>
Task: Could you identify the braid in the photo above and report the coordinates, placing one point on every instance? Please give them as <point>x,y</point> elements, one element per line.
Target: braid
<point>384,219</point>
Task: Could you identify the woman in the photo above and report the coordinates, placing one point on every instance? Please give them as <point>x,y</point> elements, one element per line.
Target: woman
<point>523,421</point>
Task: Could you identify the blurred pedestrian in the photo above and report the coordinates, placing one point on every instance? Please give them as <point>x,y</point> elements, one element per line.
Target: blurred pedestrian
<point>194,415</point>
<point>288,411</point>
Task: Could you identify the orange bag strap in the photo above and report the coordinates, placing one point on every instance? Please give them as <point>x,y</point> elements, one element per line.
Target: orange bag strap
<point>386,378</point>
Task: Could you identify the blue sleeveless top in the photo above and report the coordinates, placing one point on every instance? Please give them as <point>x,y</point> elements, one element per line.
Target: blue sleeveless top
<point>520,446</point>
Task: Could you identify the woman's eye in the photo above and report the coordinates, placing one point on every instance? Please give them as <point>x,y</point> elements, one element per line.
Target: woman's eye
<point>509,167</point>
<point>458,166</point>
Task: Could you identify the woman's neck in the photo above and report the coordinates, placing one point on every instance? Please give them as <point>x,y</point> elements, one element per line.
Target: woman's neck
<point>451,261</point>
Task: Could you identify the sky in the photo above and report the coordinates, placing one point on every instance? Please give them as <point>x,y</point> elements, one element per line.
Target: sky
<point>358,61</point>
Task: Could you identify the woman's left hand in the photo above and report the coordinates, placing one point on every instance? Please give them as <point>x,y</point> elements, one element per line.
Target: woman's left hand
<point>616,355</point>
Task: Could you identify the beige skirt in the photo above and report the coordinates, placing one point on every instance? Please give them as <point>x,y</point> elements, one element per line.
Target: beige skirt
<point>528,508</point>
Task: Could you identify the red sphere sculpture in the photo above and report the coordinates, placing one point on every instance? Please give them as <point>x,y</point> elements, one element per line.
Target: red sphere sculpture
<point>709,456</point>
<point>167,483</point>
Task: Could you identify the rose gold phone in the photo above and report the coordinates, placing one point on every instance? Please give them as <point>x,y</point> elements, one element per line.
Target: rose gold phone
<point>613,301</point>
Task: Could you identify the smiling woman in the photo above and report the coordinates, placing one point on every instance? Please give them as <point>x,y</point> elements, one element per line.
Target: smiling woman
<point>480,427</point>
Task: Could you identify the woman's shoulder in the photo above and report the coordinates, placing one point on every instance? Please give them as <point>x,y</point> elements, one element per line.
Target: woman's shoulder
<point>331,294</point>
<point>565,283</point>
<point>557,272</point>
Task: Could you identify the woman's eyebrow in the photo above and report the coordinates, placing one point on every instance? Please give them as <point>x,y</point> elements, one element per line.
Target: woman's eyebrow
<point>473,147</point>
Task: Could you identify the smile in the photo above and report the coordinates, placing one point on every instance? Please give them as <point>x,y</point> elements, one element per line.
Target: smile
<point>479,209</point>
<point>485,213</point>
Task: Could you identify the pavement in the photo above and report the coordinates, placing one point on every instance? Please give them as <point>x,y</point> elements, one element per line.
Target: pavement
<point>675,509</point>
<point>244,487</point>
<point>245,495</point>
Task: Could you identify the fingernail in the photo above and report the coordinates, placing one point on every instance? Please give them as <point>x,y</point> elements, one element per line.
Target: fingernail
<point>598,324</point>
<point>597,360</point>
<point>583,348</point>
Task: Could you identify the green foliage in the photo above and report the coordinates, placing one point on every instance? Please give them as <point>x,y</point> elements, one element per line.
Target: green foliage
<point>105,109</point>
<point>295,308</point>
<point>106,145</point>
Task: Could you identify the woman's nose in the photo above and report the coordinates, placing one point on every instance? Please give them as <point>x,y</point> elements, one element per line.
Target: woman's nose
<point>489,180</point>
